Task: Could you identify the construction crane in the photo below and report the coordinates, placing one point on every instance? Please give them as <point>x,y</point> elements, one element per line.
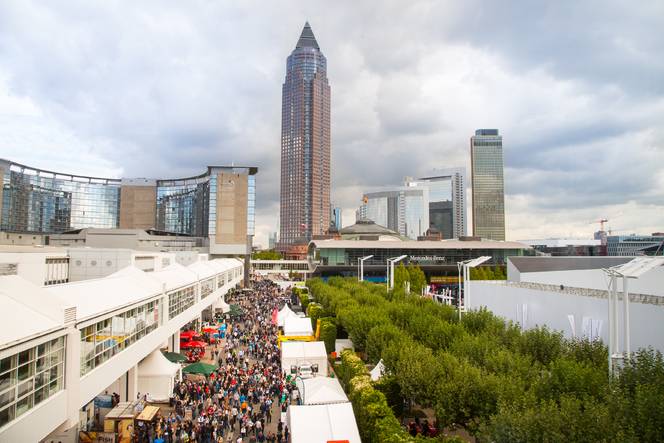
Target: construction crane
<point>601,223</point>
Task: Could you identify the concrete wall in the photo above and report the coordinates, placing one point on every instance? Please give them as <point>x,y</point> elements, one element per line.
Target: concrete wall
<point>138,204</point>
<point>30,265</point>
<point>530,308</point>
<point>232,198</point>
<point>649,283</point>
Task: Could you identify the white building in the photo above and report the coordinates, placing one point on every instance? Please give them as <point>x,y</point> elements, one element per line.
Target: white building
<point>62,345</point>
<point>569,294</point>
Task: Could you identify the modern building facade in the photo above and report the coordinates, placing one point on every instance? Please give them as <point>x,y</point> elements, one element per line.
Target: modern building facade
<point>631,245</point>
<point>404,210</point>
<point>62,346</point>
<point>217,205</point>
<point>559,247</point>
<point>336,218</point>
<point>305,144</point>
<point>488,184</point>
<point>447,200</point>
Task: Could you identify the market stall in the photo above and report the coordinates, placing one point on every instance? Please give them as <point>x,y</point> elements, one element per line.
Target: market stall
<point>156,376</point>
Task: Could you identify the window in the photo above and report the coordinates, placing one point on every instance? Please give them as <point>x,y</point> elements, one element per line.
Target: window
<point>106,338</point>
<point>30,377</point>
<point>180,300</point>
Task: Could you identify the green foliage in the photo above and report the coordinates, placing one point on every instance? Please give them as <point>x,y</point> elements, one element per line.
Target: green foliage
<point>417,279</point>
<point>269,254</point>
<point>485,374</point>
<point>328,334</point>
<point>314,312</point>
<point>401,276</point>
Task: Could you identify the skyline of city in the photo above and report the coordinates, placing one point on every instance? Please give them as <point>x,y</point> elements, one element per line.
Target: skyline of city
<point>414,101</point>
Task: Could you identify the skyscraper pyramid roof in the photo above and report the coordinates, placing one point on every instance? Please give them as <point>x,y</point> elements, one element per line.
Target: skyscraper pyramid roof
<point>307,39</point>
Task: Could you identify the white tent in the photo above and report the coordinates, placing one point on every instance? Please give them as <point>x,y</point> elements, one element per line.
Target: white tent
<point>284,314</point>
<point>321,391</point>
<point>296,353</point>
<point>222,305</point>
<point>156,376</point>
<point>343,343</point>
<point>296,326</point>
<point>322,423</point>
<point>378,371</point>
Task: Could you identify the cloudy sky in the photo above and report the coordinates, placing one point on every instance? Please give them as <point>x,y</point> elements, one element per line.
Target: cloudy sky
<point>162,89</point>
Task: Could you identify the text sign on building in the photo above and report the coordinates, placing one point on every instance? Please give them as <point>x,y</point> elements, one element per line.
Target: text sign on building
<point>426,258</point>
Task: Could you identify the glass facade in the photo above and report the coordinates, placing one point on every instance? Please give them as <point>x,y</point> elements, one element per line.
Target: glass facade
<point>106,338</point>
<point>47,202</point>
<point>305,143</point>
<point>486,149</point>
<point>44,202</point>
<point>29,377</point>
<point>447,201</point>
<point>405,210</point>
<point>207,287</point>
<point>183,206</point>
<point>179,301</point>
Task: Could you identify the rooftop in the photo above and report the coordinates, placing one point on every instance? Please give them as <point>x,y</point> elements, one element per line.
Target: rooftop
<point>307,39</point>
<point>412,244</point>
<point>546,264</point>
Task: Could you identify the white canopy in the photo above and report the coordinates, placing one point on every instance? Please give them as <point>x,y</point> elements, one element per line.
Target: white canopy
<point>378,371</point>
<point>321,391</point>
<point>284,314</point>
<point>155,376</point>
<point>221,304</point>
<point>296,326</point>
<point>322,423</point>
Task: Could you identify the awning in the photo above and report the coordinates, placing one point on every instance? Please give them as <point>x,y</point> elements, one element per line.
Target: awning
<point>148,414</point>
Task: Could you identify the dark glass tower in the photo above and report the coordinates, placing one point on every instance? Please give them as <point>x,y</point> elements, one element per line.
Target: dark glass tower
<point>305,143</point>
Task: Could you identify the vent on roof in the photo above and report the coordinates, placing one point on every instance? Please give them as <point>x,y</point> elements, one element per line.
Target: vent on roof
<point>70,315</point>
<point>8,268</point>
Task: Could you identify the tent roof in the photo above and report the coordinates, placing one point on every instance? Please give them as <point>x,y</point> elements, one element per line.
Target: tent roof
<point>285,313</point>
<point>28,310</point>
<point>155,364</point>
<point>175,276</point>
<point>203,269</point>
<point>298,326</point>
<point>377,372</point>
<point>303,349</point>
<point>97,296</point>
<point>322,423</point>
<point>321,390</point>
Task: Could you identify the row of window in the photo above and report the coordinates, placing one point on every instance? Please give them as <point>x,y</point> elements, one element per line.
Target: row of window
<point>104,339</point>
<point>29,377</point>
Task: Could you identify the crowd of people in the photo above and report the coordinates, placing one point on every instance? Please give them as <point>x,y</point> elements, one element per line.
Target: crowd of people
<point>241,401</point>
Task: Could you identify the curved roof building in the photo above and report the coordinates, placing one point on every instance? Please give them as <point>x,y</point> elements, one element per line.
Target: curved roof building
<point>217,205</point>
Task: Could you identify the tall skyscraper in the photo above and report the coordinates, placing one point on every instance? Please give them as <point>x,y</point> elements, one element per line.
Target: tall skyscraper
<point>336,217</point>
<point>305,144</point>
<point>486,157</point>
<point>447,200</point>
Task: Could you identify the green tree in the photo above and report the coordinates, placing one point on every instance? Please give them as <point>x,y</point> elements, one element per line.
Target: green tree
<point>328,334</point>
<point>417,279</point>
<point>315,311</point>
<point>401,276</point>
<point>268,254</point>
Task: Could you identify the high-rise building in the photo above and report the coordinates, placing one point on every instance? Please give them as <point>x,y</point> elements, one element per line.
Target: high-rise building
<point>336,217</point>
<point>486,157</point>
<point>305,144</point>
<point>272,240</point>
<point>447,200</point>
<point>404,210</point>
<point>629,245</point>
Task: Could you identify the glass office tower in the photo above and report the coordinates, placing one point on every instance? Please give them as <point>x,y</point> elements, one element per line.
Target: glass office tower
<point>404,210</point>
<point>219,204</point>
<point>38,201</point>
<point>486,156</point>
<point>305,144</point>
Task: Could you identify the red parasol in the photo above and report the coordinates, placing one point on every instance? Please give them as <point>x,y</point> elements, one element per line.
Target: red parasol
<point>193,344</point>
<point>210,330</point>
<point>187,335</point>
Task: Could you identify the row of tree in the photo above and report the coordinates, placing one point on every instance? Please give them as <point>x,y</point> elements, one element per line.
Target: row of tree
<point>500,383</point>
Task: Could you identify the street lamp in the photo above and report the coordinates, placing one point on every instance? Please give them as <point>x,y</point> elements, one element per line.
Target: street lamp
<point>632,269</point>
<point>390,268</point>
<point>466,265</point>
<point>361,264</point>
